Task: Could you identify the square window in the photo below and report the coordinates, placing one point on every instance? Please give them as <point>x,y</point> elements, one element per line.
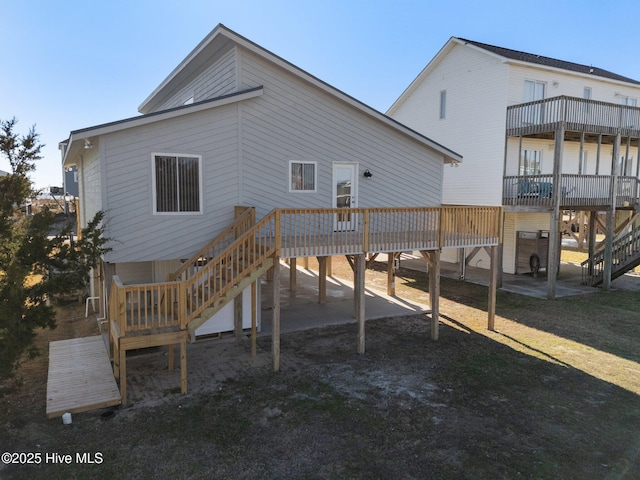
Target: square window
<point>176,181</point>
<point>302,176</point>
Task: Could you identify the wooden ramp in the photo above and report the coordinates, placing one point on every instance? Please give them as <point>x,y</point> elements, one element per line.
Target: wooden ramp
<point>80,377</point>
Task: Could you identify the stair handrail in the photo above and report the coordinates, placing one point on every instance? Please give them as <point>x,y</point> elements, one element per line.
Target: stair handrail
<point>212,249</point>
<point>625,247</point>
<point>230,266</point>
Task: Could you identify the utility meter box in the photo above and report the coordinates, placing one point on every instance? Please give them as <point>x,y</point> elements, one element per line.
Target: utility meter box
<point>532,251</point>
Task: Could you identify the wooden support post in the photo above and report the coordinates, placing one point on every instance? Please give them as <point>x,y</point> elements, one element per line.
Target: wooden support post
<point>359,296</point>
<point>293,274</point>
<point>553,258</point>
<point>237,317</point>
<point>170,362</point>
<point>123,375</point>
<point>322,279</point>
<point>462,263</point>
<point>434,293</point>
<point>305,263</point>
<point>391,274</point>
<point>254,318</point>
<point>591,245</point>
<point>275,333</point>
<point>329,267</point>
<point>183,366</point>
<point>608,249</point>
<point>493,284</point>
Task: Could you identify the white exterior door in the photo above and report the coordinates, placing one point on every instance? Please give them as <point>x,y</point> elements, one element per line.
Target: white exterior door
<point>345,194</point>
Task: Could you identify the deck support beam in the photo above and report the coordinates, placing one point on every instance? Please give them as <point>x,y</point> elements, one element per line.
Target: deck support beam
<point>359,299</point>
<point>254,318</point>
<point>293,274</point>
<point>237,317</point>
<point>322,279</point>
<point>391,273</point>
<point>275,333</point>
<point>553,260</point>
<point>433,261</point>
<point>493,285</point>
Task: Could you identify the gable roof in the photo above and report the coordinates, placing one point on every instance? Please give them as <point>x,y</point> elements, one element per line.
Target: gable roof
<point>222,38</point>
<point>511,56</point>
<point>550,62</point>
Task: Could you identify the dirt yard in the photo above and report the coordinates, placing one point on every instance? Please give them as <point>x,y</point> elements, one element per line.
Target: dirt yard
<point>554,393</point>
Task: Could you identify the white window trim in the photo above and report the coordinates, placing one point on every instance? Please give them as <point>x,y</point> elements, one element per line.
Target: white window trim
<point>315,176</point>
<point>154,204</point>
<point>443,105</point>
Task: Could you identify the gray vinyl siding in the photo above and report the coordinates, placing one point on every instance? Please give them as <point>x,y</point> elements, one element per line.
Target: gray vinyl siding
<point>138,234</point>
<point>246,148</point>
<point>217,80</point>
<point>296,121</point>
<point>90,184</point>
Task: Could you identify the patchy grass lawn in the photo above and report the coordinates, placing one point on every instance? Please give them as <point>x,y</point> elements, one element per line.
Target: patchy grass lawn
<point>553,393</point>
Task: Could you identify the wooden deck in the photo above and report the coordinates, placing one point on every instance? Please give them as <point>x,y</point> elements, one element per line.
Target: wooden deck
<point>80,377</point>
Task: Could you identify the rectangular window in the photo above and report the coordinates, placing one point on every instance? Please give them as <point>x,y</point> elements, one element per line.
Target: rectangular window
<point>587,93</point>
<point>530,162</point>
<point>629,101</point>
<point>176,180</point>
<point>623,168</point>
<point>443,104</point>
<point>533,91</point>
<point>302,176</point>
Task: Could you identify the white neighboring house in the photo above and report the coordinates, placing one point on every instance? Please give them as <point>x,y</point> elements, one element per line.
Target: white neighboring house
<point>525,124</point>
<point>234,124</point>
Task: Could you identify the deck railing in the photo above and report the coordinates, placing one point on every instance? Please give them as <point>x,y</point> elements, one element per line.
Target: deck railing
<point>577,190</point>
<point>298,233</point>
<point>624,250</point>
<point>245,219</point>
<point>137,308</point>
<point>578,114</point>
<point>234,263</point>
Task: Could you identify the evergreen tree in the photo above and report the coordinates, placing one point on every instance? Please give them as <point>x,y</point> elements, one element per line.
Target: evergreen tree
<point>34,265</point>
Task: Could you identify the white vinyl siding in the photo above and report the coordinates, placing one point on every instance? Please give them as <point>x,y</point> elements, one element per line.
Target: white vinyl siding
<point>476,104</point>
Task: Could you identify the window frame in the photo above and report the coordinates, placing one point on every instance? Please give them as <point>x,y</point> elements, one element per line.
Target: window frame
<point>443,104</point>
<point>154,197</point>
<point>290,176</point>
<point>523,162</point>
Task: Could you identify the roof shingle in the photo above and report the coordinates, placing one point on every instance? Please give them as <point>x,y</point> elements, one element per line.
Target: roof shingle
<point>550,62</point>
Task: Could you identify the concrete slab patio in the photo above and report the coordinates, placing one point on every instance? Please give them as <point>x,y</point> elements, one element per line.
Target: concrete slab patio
<point>296,314</point>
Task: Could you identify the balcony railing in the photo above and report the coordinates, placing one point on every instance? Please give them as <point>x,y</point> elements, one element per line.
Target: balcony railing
<point>579,114</point>
<point>577,190</point>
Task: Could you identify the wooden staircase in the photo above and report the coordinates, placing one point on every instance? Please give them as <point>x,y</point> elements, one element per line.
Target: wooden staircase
<point>625,256</point>
<point>166,313</point>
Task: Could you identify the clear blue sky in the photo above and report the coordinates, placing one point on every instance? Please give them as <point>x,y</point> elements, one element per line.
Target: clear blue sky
<point>71,64</point>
